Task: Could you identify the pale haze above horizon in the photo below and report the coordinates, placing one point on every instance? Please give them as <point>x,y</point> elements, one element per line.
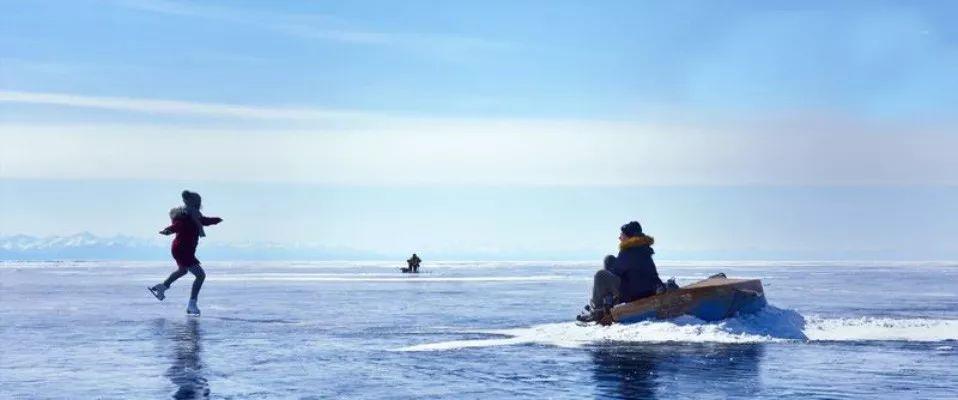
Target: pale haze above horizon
<point>740,130</point>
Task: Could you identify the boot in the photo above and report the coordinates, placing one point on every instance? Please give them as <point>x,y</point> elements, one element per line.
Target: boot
<point>591,313</point>
<point>671,285</point>
<point>158,291</point>
<point>192,309</point>
<point>586,316</point>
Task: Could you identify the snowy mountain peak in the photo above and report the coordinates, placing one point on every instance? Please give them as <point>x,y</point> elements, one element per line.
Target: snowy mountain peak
<point>85,245</point>
<point>78,240</point>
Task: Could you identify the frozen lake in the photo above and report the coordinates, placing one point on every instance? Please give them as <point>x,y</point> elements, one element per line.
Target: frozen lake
<point>468,330</point>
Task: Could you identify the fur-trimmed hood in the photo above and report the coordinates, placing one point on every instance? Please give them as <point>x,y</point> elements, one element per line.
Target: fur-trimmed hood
<point>636,241</point>
<point>192,214</point>
<point>178,212</point>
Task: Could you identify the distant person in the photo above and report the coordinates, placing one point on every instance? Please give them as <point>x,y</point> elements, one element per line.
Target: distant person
<point>413,263</point>
<point>628,277</point>
<point>187,224</point>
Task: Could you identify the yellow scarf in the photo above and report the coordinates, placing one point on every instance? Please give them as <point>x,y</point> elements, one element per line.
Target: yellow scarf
<point>636,241</point>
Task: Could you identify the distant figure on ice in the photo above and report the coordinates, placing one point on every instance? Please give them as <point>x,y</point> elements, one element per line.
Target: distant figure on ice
<point>628,277</point>
<point>413,264</point>
<point>187,224</point>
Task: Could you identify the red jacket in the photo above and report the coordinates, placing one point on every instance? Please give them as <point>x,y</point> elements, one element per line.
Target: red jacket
<point>187,237</point>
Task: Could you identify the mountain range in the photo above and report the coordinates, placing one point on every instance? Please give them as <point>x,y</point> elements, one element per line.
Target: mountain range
<point>87,246</point>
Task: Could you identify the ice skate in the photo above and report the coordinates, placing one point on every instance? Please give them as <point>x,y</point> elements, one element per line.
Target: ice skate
<point>192,309</point>
<point>158,291</point>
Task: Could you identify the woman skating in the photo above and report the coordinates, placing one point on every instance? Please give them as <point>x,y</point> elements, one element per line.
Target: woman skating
<point>187,224</point>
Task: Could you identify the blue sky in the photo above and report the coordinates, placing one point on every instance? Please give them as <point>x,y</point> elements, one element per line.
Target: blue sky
<point>528,59</point>
<point>498,113</point>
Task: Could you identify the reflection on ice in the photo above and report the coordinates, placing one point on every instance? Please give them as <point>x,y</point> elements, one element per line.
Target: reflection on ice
<point>638,371</point>
<point>183,340</point>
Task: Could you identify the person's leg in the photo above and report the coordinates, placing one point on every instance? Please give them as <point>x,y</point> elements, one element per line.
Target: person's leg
<point>173,277</point>
<point>200,275</point>
<point>159,289</point>
<point>605,283</point>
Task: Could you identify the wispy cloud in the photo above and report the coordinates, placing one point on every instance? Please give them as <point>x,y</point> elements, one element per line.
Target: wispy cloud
<point>319,27</point>
<point>154,106</point>
<point>369,148</point>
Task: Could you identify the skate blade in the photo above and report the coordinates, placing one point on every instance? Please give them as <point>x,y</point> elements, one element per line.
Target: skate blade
<point>156,294</point>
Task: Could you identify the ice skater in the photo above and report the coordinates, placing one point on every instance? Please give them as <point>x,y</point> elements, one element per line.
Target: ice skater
<point>187,224</point>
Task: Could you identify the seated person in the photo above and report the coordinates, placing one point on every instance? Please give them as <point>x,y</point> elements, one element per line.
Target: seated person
<point>628,277</point>
<point>413,263</point>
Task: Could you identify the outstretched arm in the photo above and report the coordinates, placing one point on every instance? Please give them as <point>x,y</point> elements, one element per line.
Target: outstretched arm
<point>169,230</point>
<point>176,226</point>
<point>210,220</point>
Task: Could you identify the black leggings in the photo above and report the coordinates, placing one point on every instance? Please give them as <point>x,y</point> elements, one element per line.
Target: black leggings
<point>197,271</point>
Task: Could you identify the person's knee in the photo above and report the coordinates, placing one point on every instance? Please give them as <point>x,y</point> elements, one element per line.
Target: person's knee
<point>175,275</point>
<point>609,262</point>
<point>198,272</point>
<point>603,274</point>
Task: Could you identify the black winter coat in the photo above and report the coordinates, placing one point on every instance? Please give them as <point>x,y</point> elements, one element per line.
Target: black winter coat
<point>635,268</point>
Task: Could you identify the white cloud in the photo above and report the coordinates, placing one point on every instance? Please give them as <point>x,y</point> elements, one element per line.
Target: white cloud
<point>523,155</point>
<point>170,106</point>
<point>369,148</point>
<point>318,26</point>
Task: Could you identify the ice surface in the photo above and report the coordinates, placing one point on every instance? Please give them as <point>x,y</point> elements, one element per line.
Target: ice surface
<point>466,330</point>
